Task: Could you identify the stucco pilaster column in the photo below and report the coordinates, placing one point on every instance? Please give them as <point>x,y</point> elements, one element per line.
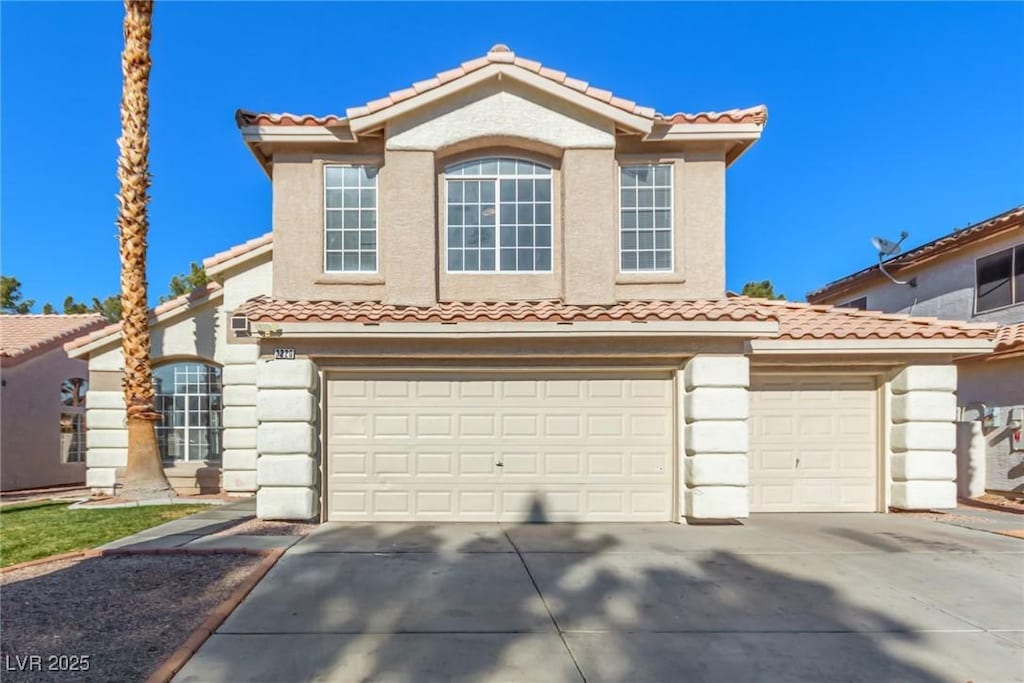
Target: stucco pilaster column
<point>287,439</point>
<point>715,411</point>
<point>238,441</point>
<point>106,440</point>
<point>922,434</point>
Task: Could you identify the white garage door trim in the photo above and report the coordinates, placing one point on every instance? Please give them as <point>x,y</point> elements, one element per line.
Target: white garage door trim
<point>588,445</point>
<point>854,482</point>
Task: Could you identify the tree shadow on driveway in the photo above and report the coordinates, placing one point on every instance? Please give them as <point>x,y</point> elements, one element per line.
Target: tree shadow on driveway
<point>462,602</point>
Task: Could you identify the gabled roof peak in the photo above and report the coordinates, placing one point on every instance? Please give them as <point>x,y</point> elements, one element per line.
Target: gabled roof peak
<point>502,56</point>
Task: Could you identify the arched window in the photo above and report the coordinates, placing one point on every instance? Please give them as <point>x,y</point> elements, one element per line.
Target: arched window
<point>188,397</point>
<point>72,419</point>
<point>498,216</point>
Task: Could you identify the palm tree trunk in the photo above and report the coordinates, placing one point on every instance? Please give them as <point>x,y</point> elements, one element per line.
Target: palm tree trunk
<point>144,474</point>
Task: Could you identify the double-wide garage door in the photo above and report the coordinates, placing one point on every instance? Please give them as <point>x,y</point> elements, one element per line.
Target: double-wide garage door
<point>510,447</point>
<point>813,444</point>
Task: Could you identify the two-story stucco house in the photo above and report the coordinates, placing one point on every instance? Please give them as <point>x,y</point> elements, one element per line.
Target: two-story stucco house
<point>499,294</point>
<point>977,274</point>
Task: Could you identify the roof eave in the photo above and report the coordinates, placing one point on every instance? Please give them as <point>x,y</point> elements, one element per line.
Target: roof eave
<point>516,329</point>
<point>221,267</point>
<point>190,304</point>
<point>873,346</point>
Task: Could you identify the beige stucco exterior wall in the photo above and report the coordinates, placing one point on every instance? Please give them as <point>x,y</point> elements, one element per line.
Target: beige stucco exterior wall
<point>30,409</point>
<point>588,213</point>
<point>699,230</point>
<point>298,226</point>
<point>407,238</point>
<point>201,333</point>
<point>996,383</point>
<point>945,286</point>
<point>501,118</point>
<point>500,108</point>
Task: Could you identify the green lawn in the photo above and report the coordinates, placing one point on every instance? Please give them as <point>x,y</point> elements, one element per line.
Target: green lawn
<point>35,530</point>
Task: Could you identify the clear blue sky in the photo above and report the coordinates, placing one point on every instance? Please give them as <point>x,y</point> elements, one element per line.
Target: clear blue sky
<point>881,117</point>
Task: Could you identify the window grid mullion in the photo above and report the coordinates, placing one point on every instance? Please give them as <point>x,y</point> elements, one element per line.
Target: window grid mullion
<point>516,205</point>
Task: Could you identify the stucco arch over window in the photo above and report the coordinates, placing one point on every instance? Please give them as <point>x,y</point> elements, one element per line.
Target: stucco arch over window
<point>188,397</point>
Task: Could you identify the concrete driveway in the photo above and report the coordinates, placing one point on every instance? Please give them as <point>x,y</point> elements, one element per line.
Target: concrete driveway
<point>780,598</point>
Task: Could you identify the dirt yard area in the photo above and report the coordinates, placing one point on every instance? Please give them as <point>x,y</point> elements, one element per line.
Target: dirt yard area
<point>111,618</point>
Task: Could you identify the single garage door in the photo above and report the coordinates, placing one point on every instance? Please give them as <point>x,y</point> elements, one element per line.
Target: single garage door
<point>514,447</point>
<point>813,444</point>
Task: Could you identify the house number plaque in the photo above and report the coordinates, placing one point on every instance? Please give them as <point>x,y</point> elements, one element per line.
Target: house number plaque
<point>284,354</point>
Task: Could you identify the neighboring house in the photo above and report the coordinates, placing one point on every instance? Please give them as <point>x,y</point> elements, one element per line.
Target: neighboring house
<point>976,274</point>
<point>499,294</point>
<point>42,401</point>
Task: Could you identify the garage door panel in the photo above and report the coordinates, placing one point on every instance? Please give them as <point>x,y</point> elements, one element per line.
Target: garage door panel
<point>500,448</point>
<point>813,444</point>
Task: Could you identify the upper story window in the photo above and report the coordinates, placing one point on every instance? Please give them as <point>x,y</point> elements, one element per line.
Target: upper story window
<point>498,216</point>
<point>350,219</point>
<point>1000,279</point>
<point>645,218</point>
<point>860,304</point>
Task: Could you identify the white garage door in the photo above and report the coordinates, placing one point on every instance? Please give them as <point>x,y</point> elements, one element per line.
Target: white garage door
<point>813,444</point>
<point>500,448</point>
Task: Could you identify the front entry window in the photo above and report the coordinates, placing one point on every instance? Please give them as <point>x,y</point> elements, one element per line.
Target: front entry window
<point>188,397</point>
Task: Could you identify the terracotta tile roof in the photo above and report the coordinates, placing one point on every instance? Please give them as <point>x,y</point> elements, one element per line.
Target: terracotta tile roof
<point>266,309</point>
<point>22,334</point>
<point>238,250</point>
<point>1010,338</point>
<point>796,320</point>
<point>197,294</point>
<point>501,54</point>
<point>800,321</point>
<point>757,114</point>
<point>1006,221</point>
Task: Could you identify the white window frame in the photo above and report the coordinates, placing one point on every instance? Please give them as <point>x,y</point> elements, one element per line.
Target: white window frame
<point>215,454</point>
<point>376,220</point>
<point>497,177</point>
<point>1016,298</point>
<point>671,219</point>
<point>72,414</point>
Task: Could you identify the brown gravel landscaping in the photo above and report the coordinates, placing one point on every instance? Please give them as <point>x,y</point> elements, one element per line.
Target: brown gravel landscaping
<point>128,613</point>
<point>259,527</point>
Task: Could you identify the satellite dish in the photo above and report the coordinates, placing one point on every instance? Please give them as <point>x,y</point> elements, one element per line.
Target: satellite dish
<point>889,248</point>
<point>885,246</point>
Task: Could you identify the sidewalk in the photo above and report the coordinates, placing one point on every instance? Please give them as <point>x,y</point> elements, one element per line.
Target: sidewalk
<point>979,517</point>
<point>208,529</point>
<point>72,491</point>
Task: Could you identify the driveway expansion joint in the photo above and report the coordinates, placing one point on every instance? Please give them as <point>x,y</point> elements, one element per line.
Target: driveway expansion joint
<point>547,608</point>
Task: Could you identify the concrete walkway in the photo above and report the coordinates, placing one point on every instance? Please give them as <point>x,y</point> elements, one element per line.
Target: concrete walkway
<point>201,530</point>
<point>781,598</point>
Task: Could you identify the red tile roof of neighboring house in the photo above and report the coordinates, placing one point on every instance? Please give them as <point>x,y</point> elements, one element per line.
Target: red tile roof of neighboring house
<point>501,54</point>
<point>796,320</point>
<point>238,250</point>
<point>1004,222</point>
<point>183,301</point>
<point>810,321</point>
<point>22,334</point>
